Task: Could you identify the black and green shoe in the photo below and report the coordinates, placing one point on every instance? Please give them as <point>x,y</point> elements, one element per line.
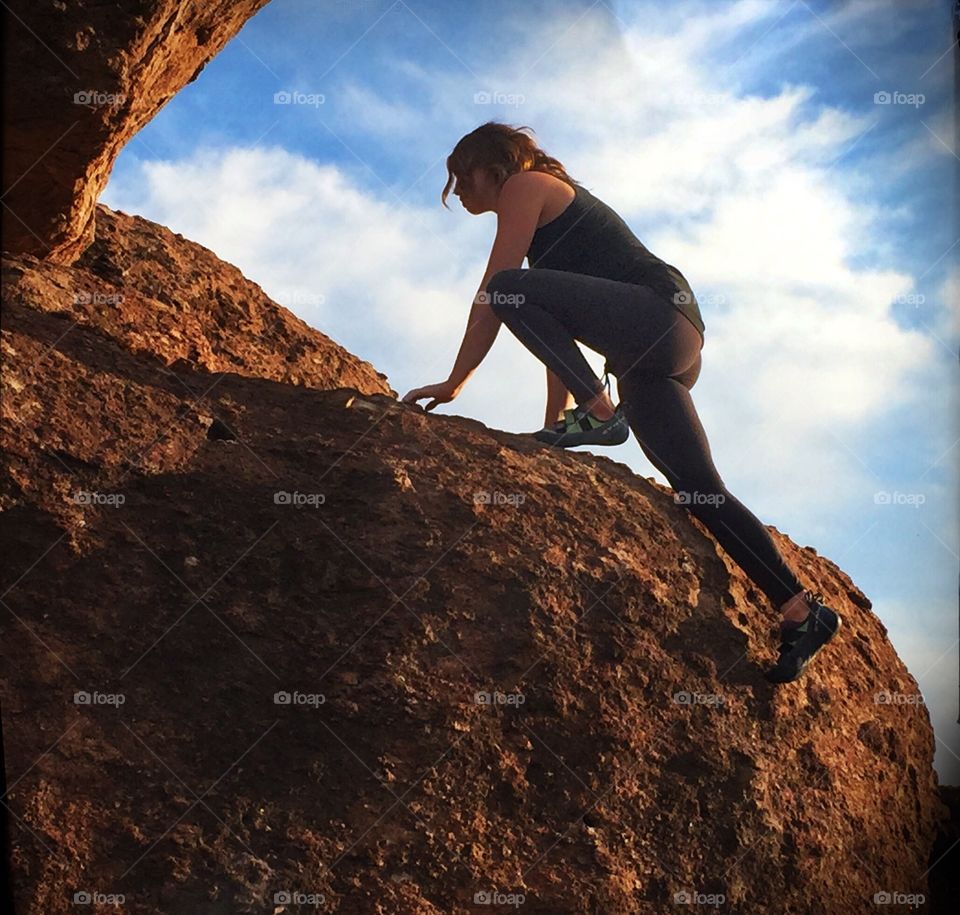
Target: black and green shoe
<point>800,644</point>
<point>580,427</point>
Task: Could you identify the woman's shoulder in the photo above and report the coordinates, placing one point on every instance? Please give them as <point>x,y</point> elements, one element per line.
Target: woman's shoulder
<point>556,195</point>
<point>543,179</point>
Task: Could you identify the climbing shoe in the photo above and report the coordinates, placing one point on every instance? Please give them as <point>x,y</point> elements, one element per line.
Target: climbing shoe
<point>580,427</point>
<point>799,644</point>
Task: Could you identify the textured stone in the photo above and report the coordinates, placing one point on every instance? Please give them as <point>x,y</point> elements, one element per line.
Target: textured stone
<point>79,80</point>
<point>159,294</point>
<point>198,541</point>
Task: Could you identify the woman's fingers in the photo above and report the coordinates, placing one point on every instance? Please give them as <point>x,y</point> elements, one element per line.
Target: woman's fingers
<point>437,393</point>
<point>420,393</point>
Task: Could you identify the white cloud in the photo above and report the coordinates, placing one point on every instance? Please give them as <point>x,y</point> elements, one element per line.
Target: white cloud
<point>368,112</point>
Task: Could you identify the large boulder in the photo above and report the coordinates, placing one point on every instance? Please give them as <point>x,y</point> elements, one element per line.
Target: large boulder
<point>267,643</point>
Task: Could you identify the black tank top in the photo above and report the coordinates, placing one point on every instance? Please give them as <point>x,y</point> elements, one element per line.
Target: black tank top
<point>591,238</point>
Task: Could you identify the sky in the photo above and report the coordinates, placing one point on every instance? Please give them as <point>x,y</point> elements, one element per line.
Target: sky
<point>795,160</point>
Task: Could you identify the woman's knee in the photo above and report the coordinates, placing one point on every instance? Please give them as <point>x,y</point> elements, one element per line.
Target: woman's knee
<point>504,292</point>
<point>505,280</point>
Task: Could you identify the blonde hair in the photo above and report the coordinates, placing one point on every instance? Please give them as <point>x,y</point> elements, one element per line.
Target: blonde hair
<point>503,150</point>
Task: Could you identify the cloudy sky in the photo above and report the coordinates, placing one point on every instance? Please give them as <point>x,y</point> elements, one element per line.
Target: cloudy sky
<point>794,160</point>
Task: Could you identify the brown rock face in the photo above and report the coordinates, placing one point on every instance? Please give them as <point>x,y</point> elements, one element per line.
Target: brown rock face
<point>157,293</point>
<point>267,642</point>
<point>80,79</point>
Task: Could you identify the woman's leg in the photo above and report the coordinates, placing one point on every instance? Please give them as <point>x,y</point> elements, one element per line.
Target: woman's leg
<point>662,415</point>
<point>550,310</point>
<point>655,353</point>
<point>558,399</point>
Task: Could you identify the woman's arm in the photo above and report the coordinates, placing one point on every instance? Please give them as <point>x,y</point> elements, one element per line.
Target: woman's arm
<point>482,329</point>
<point>519,208</point>
<point>518,211</point>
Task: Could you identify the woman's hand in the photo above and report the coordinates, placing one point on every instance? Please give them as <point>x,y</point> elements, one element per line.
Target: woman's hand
<point>441,393</point>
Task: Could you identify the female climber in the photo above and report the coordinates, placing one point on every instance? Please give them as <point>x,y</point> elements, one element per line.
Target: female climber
<point>590,279</point>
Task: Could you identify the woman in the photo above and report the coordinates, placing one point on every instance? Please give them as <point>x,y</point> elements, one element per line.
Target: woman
<point>592,280</point>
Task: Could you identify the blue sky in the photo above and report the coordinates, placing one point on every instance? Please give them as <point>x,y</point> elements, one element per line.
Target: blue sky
<point>743,142</point>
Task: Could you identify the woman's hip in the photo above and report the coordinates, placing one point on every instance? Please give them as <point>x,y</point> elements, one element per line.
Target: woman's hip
<point>669,347</point>
<point>655,340</point>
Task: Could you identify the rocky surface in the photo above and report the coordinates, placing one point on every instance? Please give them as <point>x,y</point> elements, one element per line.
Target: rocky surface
<point>159,294</point>
<point>183,543</point>
<point>272,641</point>
<point>79,80</point>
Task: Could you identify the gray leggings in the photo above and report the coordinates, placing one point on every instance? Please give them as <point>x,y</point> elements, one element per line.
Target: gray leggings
<point>654,351</point>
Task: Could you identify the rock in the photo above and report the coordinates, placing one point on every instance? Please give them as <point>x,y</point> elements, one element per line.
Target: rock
<point>810,797</point>
<point>79,80</point>
<point>165,296</point>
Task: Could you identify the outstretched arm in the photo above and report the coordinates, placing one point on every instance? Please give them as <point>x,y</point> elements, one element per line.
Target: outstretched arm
<point>518,211</point>
<point>482,329</point>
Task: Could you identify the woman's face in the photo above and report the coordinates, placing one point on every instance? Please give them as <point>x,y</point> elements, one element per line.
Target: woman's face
<point>477,191</point>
